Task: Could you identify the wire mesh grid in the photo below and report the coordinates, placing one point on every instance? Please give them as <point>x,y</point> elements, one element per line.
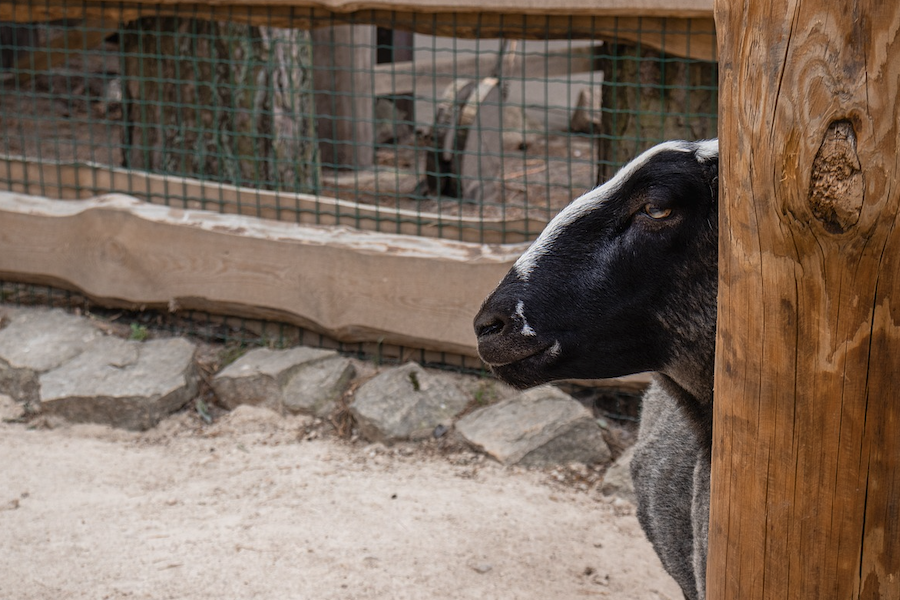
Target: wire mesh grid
<point>394,122</point>
<point>364,124</point>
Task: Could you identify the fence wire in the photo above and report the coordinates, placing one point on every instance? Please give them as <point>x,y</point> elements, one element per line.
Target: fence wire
<point>478,133</point>
<point>364,124</point>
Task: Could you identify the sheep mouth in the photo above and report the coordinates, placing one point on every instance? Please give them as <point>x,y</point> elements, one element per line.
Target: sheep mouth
<point>519,366</point>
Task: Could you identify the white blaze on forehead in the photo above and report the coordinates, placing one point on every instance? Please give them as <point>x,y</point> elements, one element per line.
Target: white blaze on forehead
<point>526,328</point>
<point>705,151</point>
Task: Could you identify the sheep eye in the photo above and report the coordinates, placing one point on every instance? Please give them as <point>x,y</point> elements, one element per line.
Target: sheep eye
<point>655,212</point>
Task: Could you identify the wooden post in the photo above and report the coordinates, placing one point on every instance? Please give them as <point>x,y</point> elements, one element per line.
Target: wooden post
<point>806,451</point>
<point>343,58</point>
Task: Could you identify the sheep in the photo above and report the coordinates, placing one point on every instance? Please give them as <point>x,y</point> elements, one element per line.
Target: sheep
<point>624,280</point>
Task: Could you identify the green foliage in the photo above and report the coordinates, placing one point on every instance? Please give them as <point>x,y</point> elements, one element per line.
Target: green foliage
<point>138,333</point>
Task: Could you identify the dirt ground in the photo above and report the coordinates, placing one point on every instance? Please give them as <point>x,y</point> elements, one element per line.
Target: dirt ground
<point>261,506</point>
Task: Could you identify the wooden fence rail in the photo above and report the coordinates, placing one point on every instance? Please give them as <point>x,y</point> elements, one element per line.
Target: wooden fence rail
<point>351,285</point>
<point>668,25</point>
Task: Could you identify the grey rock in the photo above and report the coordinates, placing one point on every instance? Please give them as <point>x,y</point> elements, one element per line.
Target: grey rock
<point>617,481</point>
<point>316,388</point>
<point>36,341</point>
<point>10,410</point>
<point>481,567</point>
<point>541,427</point>
<point>122,383</point>
<point>297,380</point>
<point>406,403</point>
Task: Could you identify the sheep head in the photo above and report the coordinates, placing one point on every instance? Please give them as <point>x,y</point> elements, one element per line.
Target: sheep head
<point>622,280</point>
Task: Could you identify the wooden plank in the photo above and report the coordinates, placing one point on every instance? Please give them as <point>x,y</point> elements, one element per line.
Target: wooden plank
<point>686,32</point>
<point>70,182</point>
<point>55,53</point>
<point>351,285</point>
<point>424,75</point>
<point>343,58</point>
<point>659,8</point>
<point>806,451</point>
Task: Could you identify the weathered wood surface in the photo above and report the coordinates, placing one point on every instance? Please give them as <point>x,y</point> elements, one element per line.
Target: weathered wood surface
<point>649,98</point>
<point>82,181</point>
<point>686,31</point>
<point>673,8</point>
<point>806,452</point>
<point>343,58</point>
<point>249,124</point>
<point>350,285</point>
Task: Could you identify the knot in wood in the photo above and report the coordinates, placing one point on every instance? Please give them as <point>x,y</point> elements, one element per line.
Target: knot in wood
<point>836,186</point>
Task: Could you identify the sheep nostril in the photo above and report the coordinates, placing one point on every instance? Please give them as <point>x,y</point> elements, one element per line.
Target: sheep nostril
<point>486,325</point>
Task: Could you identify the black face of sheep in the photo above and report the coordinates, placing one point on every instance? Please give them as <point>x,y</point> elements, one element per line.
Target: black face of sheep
<point>623,280</point>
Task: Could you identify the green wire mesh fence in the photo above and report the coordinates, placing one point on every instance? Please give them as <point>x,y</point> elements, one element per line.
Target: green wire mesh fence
<point>361,124</point>
<point>481,137</point>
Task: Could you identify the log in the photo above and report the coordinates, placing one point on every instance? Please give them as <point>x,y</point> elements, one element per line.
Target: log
<point>648,97</point>
<point>642,8</point>
<point>343,59</point>
<point>16,41</point>
<point>806,452</point>
<point>686,31</point>
<point>350,285</point>
<point>223,101</point>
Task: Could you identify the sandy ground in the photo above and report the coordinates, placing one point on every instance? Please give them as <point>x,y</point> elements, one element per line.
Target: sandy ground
<point>250,507</point>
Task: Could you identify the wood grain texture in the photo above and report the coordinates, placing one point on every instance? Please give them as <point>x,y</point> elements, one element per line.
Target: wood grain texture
<point>351,285</point>
<point>343,58</point>
<point>249,123</point>
<point>681,30</point>
<point>806,451</point>
<point>679,8</point>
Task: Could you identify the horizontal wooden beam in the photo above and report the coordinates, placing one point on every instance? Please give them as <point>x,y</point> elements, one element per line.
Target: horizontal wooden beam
<point>631,8</point>
<point>353,286</point>
<point>678,27</point>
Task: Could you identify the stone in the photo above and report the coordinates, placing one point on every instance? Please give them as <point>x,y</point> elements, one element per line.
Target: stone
<point>36,341</point>
<point>10,410</point>
<point>542,427</point>
<point>316,388</point>
<point>122,383</point>
<point>617,481</point>
<point>275,379</point>
<point>406,403</point>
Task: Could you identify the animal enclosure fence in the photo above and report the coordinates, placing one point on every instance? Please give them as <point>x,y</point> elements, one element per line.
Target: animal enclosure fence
<point>475,126</point>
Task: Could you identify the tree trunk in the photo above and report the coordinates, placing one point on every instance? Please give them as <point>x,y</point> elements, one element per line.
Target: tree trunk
<point>805,499</point>
<point>343,58</point>
<point>220,101</point>
<point>649,97</point>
